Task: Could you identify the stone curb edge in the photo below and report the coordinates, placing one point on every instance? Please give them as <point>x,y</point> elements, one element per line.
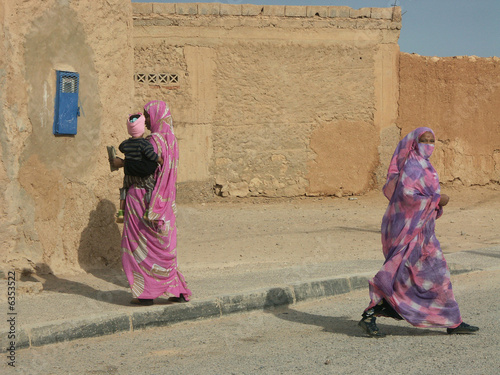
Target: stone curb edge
<point>166,315</point>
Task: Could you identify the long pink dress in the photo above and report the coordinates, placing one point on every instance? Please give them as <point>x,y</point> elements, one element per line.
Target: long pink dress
<point>149,255</point>
<point>415,279</point>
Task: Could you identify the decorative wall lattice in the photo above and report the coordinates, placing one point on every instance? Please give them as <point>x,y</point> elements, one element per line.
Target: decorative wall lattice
<point>165,79</point>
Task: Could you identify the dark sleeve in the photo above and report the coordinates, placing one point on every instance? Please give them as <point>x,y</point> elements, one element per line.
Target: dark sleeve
<point>148,151</point>
<point>122,145</point>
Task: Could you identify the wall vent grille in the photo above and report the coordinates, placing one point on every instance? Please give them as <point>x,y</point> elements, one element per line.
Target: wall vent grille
<point>163,79</point>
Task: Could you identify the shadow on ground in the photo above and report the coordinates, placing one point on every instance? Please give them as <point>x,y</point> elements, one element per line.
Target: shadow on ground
<point>52,283</point>
<point>347,326</point>
<point>99,256</point>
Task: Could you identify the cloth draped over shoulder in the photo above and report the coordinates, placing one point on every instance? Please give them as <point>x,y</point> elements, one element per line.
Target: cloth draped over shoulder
<point>415,279</point>
<point>149,240</point>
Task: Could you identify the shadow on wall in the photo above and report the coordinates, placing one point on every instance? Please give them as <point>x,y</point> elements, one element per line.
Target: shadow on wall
<point>100,240</point>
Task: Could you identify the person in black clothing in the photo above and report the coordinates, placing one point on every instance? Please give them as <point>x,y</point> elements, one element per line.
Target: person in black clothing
<point>140,161</point>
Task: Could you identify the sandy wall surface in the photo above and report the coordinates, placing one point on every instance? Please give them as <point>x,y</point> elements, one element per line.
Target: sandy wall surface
<point>272,100</point>
<point>57,200</point>
<point>458,98</point>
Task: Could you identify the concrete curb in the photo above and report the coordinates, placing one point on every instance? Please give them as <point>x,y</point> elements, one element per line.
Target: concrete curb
<point>159,316</point>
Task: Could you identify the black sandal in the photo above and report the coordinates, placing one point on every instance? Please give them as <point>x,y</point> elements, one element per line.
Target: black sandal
<point>368,325</point>
<point>142,302</point>
<point>180,299</point>
<point>463,328</point>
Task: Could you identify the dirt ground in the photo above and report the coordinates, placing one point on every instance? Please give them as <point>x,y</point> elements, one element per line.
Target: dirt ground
<point>313,337</point>
<point>231,246</point>
<point>231,235</point>
<point>252,235</point>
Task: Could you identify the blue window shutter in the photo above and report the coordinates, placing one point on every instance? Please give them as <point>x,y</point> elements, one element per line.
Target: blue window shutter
<point>66,107</point>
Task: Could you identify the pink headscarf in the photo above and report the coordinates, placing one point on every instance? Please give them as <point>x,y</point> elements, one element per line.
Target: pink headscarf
<point>161,119</point>
<point>162,207</point>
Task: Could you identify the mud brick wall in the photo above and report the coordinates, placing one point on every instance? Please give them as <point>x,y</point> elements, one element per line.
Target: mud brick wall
<point>458,97</point>
<point>272,100</point>
<point>58,197</point>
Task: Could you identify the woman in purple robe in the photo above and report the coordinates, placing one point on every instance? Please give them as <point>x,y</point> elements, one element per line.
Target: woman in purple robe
<point>414,282</point>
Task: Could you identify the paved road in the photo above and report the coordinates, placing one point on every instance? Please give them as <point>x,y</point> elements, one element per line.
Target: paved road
<point>318,337</point>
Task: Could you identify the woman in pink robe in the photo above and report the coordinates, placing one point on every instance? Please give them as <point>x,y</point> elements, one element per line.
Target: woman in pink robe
<point>414,282</point>
<point>149,239</point>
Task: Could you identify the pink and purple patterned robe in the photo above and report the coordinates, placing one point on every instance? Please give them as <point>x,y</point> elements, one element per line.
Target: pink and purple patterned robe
<point>415,279</point>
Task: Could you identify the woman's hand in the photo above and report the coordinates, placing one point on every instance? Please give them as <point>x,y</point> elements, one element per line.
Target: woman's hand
<point>444,200</point>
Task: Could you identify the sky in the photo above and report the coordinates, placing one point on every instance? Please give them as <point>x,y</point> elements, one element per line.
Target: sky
<point>430,27</point>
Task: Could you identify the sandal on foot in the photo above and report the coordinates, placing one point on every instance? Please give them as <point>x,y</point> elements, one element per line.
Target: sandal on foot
<point>142,302</point>
<point>369,326</point>
<point>461,329</point>
<point>180,299</point>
